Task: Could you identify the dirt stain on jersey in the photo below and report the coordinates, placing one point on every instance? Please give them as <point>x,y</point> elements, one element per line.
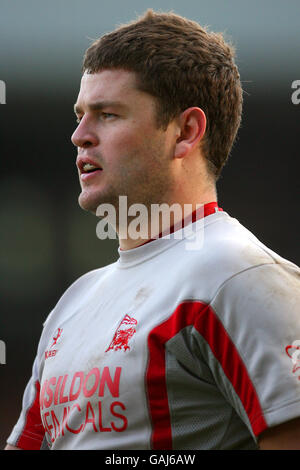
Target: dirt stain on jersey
<point>142,294</point>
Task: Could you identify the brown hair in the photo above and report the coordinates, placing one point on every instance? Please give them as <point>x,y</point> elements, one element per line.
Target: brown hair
<point>182,65</point>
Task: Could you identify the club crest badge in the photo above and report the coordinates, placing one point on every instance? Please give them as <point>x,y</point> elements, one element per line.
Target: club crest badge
<point>123,334</point>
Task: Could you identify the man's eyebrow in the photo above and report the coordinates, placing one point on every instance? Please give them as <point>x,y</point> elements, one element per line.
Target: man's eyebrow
<point>97,106</point>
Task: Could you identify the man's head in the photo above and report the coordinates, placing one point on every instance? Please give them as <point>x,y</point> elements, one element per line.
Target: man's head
<point>182,65</point>
<point>117,134</point>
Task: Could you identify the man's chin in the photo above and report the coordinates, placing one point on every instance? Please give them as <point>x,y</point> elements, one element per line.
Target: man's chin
<point>90,202</point>
<point>87,204</point>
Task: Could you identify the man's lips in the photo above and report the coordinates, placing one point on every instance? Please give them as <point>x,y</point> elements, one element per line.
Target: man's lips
<point>91,175</point>
<point>88,168</point>
<point>87,165</point>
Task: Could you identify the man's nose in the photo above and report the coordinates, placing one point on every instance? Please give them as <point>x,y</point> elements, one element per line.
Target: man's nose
<point>83,135</point>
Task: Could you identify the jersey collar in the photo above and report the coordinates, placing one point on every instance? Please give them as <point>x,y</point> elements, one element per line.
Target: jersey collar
<point>165,239</point>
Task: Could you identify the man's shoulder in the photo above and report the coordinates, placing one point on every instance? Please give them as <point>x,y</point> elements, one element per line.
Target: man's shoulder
<point>77,293</point>
<point>87,280</point>
<point>227,249</point>
<point>230,241</point>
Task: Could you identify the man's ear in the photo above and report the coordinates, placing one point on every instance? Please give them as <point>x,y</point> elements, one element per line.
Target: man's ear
<point>192,124</point>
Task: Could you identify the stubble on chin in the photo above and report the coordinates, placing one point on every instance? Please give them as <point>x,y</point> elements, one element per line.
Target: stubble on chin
<point>91,202</point>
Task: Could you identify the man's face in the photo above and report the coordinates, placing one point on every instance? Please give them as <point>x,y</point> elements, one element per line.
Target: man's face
<point>117,134</point>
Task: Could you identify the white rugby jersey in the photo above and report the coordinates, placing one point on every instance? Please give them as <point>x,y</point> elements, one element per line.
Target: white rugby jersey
<point>170,347</point>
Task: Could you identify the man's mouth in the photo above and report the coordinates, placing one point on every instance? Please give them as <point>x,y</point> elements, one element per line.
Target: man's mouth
<point>88,168</point>
<point>88,171</point>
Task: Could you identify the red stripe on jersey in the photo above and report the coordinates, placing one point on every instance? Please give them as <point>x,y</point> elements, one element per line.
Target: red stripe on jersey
<point>183,316</point>
<point>33,432</point>
<point>205,321</point>
<point>224,350</point>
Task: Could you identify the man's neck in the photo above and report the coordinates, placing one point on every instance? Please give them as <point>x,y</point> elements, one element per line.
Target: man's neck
<point>160,220</point>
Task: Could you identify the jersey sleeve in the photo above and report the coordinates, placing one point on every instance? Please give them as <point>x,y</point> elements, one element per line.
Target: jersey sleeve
<point>251,341</point>
<point>28,433</point>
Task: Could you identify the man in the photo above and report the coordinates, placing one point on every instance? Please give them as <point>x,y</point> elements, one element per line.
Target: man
<point>170,347</point>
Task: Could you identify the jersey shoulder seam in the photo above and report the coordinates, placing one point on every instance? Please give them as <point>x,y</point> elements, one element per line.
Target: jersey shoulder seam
<point>242,272</point>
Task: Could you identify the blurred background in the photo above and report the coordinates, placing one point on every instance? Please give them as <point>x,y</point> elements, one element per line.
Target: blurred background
<point>47,241</point>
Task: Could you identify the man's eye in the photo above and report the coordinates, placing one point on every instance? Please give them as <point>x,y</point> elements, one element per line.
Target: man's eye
<point>104,116</point>
<point>107,115</point>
